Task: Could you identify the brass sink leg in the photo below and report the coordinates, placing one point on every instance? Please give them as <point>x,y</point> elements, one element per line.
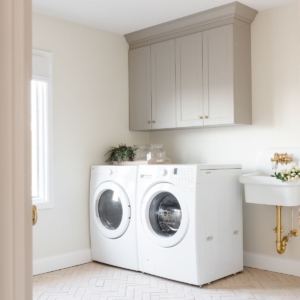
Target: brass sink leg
<point>281,244</point>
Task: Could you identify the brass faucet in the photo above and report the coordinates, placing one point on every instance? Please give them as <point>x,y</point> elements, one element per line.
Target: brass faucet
<point>282,158</point>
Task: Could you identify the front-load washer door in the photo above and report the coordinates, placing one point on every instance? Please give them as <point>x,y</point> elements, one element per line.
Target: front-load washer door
<point>111,210</point>
<point>165,215</point>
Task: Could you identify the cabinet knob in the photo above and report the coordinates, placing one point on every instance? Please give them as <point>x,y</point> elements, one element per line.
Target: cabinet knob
<point>200,117</point>
<point>153,121</point>
<point>148,122</point>
<point>206,117</point>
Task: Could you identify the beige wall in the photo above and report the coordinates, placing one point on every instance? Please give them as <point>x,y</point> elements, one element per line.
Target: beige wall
<point>276,111</point>
<point>90,96</point>
<point>91,80</point>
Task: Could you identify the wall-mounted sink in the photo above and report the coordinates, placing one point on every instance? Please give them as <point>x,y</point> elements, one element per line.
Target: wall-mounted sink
<point>261,188</point>
<point>264,189</point>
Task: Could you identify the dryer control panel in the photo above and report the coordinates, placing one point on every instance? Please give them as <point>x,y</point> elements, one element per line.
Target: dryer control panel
<point>118,173</point>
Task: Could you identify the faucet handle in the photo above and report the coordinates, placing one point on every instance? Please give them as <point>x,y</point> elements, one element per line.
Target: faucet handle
<point>281,158</point>
<point>294,232</point>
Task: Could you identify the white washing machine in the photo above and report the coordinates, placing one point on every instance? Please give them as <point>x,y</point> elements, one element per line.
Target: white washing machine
<point>189,225</point>
<point>113,215</point>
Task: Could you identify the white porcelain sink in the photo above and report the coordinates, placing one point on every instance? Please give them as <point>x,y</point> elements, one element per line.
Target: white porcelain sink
<point>264,189</point>
<point>261,188</point>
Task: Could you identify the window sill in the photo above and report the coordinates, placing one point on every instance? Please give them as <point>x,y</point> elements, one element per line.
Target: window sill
<point>43,204</point>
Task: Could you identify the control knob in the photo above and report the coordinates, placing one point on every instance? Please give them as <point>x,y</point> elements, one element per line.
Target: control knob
<point>163,172</point>
<point>109,172</point>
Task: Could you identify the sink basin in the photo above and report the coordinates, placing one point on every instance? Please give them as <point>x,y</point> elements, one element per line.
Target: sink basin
<point>264,189</point>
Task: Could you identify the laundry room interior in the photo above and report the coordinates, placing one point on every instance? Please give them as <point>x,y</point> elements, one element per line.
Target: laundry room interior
<point>90,113</point>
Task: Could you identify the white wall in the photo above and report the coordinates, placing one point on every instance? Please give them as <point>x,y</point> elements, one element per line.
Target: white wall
<point>276,115</point>
<point>90,95</point>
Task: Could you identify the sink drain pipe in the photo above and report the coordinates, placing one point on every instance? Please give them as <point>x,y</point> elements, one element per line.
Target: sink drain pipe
<point>281,244</point>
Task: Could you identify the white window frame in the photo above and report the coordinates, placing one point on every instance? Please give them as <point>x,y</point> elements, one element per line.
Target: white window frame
<point>45,198</point>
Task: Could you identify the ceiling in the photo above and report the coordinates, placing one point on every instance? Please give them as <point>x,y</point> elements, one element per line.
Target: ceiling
<point>125,16</point>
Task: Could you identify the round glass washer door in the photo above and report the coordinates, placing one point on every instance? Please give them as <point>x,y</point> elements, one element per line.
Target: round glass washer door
<point>111,210</point>
<point>165,215</point>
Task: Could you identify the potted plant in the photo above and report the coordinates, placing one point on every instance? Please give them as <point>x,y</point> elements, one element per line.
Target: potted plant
<point>120,154</point>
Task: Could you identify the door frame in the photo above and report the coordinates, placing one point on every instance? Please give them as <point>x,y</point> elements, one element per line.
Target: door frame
<point>15,150</point>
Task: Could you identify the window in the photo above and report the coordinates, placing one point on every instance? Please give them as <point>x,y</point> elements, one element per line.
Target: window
<point>41,129</point>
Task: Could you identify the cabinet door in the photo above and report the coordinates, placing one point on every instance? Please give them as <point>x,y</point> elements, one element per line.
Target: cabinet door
<point>218,76</point>
<point>189,102</point>
<point>140,89</point>
<point>163,85</point>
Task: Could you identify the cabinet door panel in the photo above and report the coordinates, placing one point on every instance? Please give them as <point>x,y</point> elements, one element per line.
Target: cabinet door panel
<point>189,102</point>
<point>218,76</point>
<point>140,89</point>
<point>163,85</point>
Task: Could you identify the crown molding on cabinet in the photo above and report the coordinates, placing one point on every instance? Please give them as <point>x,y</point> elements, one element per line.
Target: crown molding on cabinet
<point>244,13</point>
<point>215,17</point>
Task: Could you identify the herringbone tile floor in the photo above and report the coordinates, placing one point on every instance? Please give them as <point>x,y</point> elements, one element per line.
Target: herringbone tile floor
<point>95,281</point>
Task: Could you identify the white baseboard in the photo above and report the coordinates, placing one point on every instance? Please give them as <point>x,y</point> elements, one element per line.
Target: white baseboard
<point>62,261</point>
<point>253,260</point>
<point>271,263</point>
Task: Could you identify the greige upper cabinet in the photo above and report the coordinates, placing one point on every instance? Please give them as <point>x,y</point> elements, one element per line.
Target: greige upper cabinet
<point>140,89</point>
<point>163,85</point>
<point>218,83</point>
<point>211,53</point>
<point>189,87</point>
<point>152,87</point>
<point>213,78</point>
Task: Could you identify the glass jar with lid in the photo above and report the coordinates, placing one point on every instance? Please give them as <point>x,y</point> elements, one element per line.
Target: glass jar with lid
<point>158,155</point>
<point>157,151</point>
<point>141,152</point>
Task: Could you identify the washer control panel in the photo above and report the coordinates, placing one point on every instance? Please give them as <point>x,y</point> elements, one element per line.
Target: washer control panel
<point>184,174</point>
<point>176,173</point>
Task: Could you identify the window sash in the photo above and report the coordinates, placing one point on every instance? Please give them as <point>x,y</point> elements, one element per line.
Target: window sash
<point>41,127</point>
<point>39,131</point>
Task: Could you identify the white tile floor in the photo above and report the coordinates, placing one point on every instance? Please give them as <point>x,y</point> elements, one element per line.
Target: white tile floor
<point>96,281</point>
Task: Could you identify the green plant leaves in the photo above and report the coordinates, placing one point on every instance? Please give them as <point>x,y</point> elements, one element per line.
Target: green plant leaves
<point>279,176</point>
<point>121,153</point>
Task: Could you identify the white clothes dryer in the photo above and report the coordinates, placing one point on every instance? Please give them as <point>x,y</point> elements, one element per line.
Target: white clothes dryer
<point>189,225</point>
<point>113,215</point>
